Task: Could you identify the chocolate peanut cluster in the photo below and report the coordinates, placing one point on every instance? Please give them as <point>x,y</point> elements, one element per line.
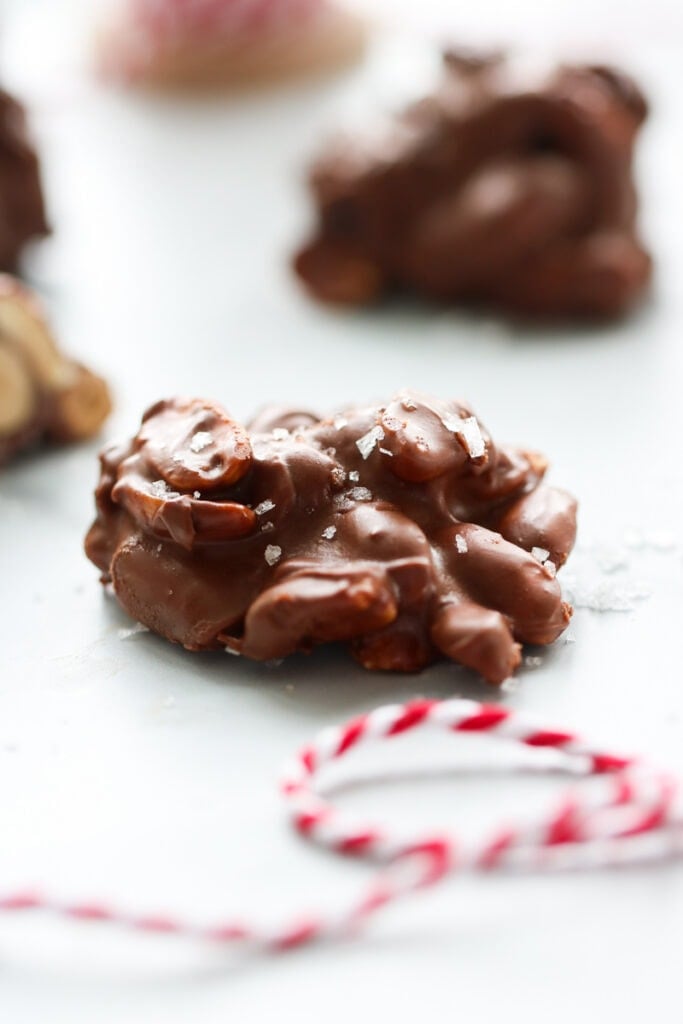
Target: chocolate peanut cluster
<point>401,530</point>
<point>43,394</point>
<point>22,213</point>
<point>509,187</point>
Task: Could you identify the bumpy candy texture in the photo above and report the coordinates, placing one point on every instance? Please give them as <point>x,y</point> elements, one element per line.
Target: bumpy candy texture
<point>509,187</point>
<point>22,213</point>
<point>44,395</point>
<point>401,530</point>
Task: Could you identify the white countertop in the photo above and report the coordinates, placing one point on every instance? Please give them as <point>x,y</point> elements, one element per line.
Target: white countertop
<point>135,772</point>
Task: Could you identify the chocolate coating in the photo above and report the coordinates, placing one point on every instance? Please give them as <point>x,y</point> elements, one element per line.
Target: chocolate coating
<point>508,187</point>
<point>44,395</point>
<point>401,530</point>
<point>22,212</point>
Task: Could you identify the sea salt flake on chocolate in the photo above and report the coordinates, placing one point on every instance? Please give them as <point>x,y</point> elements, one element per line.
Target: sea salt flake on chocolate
<point>550,567</point>
<point>540,554</point>
<point>409,405</point>
<point>354,476</point>
<point>461,544</point>
<point>272,554</point>
<point>231,650</point>
<point>368,442</point>
<point>126,632</point>
<point>196,494</point>
<point>339,422</point>
<point>468,429</point>
<point>201,440</point>
<point>360,494</point>
<point>329,532</point>
<point>385,451</point>
<point>264,506</point>
<point>160,489</point>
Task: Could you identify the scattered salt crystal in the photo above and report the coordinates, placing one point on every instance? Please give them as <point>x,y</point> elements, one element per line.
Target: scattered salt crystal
<point>272,554</point>
<point>461,544</point>
<point>360,494</point>
<point>540,554</point>
<point>661,540</point>
<point>354,476</point>
<point>201,440</point>
<point>510,685</point>
<point>267,527</point>
<point>611,559</point>
<point>196,495</point>
<point>159,489</point>
<point>367,442</point>
<point>280,434</point>
<point>569,639</point>
<point>159,547</point>
<point>329,532</point>
<point>385,451</point>
<point>633,538</point>
<point>469,431</point>
<point>340,422</point>
<point>126,632</point>
<point>264,506</point>
<point>409,405</point>
<point>550,566</point>
<point>533,661</point>
<point>231,650</point>
<point>606,595</point>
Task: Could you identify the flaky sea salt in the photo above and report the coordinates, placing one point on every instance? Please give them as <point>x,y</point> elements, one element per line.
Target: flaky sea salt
<point>231,650</point>
<point>264,506</point>
<point>540,554</point>
<point>367,442</point>
<point>126,632</point>
<point>160,489</point>
<point>533,661</point>
<point>385,451</point>
<point>469,431</point>
<point>272,554</point>
<point>267,527</point>
<point>360,494</point>
<point>550,567</point>
<point>461,544</point>
<point>339,422</point>
<point>201,440</point>
<point>354,476</point>
<point>408,404</point>
<point>197,495</point>
<point>329,532</point>
<point>606,595</point>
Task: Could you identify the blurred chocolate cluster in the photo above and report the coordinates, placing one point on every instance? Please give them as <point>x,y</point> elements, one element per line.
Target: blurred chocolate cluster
<point>510,187</point>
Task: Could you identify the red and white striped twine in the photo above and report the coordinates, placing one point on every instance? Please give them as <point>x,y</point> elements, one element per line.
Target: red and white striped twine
<point>629,813</point>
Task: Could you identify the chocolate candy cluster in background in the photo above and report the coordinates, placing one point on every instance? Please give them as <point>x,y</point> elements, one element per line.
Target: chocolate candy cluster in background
<point>510,187</point>
<point>44,395</point>
<point>402,530</point>
<point>22,211</point>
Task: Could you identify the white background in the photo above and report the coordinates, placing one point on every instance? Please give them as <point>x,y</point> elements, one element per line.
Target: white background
<point>136,773</point>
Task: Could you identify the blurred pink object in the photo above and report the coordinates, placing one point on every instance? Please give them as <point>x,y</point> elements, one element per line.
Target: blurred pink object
<point>205,43</point>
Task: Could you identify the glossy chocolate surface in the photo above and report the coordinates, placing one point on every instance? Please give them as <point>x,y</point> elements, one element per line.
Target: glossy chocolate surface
<point>510,187</point>
<point>401,530</point>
